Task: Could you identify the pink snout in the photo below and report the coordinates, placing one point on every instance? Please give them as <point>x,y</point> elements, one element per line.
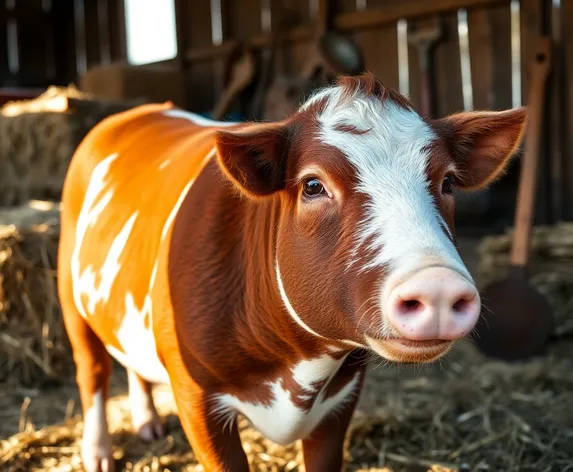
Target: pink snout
<point>435,303</point>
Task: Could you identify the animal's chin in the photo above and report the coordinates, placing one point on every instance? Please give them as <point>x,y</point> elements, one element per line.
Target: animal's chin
<point>407,351</point>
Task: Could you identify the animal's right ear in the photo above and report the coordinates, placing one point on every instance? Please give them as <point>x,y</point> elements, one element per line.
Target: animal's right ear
<point>254,158</point>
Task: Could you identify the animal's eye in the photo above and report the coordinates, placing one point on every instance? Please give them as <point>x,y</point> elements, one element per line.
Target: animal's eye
<point>313,188</point>
<point>447,184</point>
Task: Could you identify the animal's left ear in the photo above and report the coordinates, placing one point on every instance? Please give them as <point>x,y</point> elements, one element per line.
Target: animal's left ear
<point>254,158</point>
<point>483,143</point>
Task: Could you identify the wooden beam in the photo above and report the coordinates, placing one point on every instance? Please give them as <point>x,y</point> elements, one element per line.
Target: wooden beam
<point>557,113</point>
<point>404,10</point>
<point>181,31</point>
<point>347,22</point>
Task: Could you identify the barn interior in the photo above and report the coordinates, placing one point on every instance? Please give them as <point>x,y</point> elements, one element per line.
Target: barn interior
<point>499,402</point>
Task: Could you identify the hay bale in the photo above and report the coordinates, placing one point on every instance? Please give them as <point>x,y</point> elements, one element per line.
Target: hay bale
<point>550,267</point>
<point>33,344</point>
<point>38,138</point>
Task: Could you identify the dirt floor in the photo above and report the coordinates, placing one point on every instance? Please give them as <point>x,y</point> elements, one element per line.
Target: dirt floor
<point>465,413</point>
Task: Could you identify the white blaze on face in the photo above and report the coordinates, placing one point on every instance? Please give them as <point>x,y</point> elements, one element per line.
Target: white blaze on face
<point>402,224</point>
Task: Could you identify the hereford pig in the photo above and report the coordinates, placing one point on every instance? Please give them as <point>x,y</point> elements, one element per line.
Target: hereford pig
<point>253,266</point>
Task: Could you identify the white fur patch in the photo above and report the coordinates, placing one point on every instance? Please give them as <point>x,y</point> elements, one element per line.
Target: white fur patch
<point>138,343</point>
<point>136,340</point>
<point>95,419</point>
<point>402,222</point>
<point>108,272</point>
<point>284,422</point>
<point>85,282</point>
<point>96,440</point>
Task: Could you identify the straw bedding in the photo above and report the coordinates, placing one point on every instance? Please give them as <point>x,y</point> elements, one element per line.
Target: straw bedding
<point>466,413</point>
<point>33,344</point>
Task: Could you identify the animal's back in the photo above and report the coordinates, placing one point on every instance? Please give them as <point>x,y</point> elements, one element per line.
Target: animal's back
<point>122,191</point>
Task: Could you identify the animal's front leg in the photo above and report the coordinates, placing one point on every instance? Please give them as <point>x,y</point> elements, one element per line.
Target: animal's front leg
<point>216,446</point>
<point>215,441</point>
<point>323,450</point>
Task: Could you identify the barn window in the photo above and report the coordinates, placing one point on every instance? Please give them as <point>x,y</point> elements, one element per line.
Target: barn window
<point>150,31</point>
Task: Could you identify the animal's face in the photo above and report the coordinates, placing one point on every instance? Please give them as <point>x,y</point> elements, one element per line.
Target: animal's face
<point>365,250</point>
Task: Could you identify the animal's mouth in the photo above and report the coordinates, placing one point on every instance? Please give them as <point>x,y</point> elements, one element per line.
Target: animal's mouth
<point>418,344</point>
<point>407,350</point>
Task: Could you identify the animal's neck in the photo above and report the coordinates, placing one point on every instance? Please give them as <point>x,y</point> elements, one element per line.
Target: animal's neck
<point>262,306</point>
<point>222,259</point>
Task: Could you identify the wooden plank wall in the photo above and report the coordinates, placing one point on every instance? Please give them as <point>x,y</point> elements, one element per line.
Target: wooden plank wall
<point>204,79</point>
<point>490,58</point>
<point>489,31</point>
<point>489,26</point>
<point>48,35</point>
<point>98,35</point>
<point>379,45</point>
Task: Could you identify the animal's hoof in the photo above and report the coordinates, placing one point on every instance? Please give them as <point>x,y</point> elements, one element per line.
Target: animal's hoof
<point>151,430</point>
<point>96,459</point>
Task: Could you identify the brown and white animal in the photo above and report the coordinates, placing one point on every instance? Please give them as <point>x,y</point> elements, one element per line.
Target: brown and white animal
<point>253,266</point>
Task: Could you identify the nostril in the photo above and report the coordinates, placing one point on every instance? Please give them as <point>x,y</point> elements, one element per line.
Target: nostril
<point>463,305</point>
<point>460,306</point>
<point>409,306</point>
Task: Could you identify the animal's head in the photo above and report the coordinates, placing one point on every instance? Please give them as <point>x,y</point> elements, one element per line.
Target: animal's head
<point>365,247</point>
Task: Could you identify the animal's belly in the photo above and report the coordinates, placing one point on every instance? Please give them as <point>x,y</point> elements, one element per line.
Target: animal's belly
<point>139,350</point>
<point>283,420</point>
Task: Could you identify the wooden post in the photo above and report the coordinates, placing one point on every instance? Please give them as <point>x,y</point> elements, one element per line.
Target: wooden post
<point>117,26</point>
<point>103,32</point>
<point>567,17</point>
<point>80,37</point>
<point>51,70</point>
<point>557,116</point>
<point>181,30</point>
<point>182,40</point>
<point>531,28</point>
